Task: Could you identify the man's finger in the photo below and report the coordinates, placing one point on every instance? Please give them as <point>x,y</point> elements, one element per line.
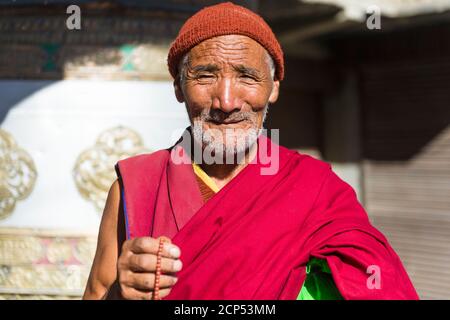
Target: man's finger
<point>146,281</point>
<point>136,294</point>
<point>151,245</point>
<point>164,292</point>
<point>147,263</point>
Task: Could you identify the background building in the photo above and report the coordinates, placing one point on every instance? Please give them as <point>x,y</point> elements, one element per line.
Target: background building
<point>372,101</point>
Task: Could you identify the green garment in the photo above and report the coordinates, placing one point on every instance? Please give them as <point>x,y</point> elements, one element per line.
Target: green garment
<point>319,284</point>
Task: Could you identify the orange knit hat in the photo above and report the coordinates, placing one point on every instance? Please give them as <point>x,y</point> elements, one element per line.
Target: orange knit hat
<point>224,19</point>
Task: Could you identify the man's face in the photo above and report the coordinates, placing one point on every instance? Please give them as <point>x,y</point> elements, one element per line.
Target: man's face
<point>227,86</point>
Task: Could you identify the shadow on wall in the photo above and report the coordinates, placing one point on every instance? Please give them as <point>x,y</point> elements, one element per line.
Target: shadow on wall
<point>403,90</point>
<point>16,92</point>
<point>400,95</point>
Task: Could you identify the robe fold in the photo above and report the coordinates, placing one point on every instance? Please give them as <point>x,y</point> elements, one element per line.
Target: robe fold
<point>254,238</point>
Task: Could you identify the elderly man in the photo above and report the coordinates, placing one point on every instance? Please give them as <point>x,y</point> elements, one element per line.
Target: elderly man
<point>204,220</point>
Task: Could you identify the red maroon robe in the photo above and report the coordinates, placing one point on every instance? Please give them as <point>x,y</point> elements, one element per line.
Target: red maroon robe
<point>253,239</point>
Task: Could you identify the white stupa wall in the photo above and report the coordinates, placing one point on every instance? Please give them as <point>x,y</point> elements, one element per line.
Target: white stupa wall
<point>62,119</point>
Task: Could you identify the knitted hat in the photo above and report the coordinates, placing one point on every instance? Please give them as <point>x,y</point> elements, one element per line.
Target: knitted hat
<point>224,19</point>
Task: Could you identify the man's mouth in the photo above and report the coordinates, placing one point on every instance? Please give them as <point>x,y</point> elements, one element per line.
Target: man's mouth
<point>226,122</point>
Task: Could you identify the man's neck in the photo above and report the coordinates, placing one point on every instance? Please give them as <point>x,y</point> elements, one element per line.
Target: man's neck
<point>221,174</point>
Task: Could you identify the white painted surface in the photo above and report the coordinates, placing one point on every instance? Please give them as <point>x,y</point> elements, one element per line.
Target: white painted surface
<point>59,120</point>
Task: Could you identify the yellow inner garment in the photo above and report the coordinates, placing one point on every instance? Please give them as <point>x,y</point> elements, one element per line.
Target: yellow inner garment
<point>207,186</point>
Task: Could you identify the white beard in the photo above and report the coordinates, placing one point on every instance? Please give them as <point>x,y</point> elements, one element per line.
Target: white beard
<point>231,143</point>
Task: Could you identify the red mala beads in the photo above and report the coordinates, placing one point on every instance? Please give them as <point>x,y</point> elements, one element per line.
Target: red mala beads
<point>156,296</point>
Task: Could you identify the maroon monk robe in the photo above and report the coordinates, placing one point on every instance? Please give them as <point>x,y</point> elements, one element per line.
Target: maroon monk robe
<point>253,239</point>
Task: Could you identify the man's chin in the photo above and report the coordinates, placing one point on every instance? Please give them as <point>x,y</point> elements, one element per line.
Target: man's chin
<point>230,151</point>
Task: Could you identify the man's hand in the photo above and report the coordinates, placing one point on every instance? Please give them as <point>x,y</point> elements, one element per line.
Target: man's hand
<point>137,267</point>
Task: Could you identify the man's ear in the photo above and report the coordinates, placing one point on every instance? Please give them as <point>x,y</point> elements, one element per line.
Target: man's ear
<point>275,91</point>
<point>178,91</point>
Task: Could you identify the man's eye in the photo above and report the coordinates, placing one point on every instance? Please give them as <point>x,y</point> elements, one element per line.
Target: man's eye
<point>248,77</point>
<point>205,76</point>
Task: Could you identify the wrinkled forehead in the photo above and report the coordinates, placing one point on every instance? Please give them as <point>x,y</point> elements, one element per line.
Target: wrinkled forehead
<point>229,49</point>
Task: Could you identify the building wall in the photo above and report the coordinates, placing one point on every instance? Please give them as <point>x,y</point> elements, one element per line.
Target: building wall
<point>403,80</point>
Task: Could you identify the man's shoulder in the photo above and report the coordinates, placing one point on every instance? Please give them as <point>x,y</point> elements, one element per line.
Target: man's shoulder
<point>144,160</point>
<point>309,160</point>
<point>321,170</point>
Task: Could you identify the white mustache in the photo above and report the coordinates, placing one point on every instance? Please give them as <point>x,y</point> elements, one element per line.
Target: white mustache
<point>235,117</point>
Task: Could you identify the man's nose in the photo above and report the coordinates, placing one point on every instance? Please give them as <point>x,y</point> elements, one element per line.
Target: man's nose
<point>227,96</point>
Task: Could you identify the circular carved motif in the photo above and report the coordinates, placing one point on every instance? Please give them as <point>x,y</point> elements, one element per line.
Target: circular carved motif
<point>94,169</point>
<point>17,174</point>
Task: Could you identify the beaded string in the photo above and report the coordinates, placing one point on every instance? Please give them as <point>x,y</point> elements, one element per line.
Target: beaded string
<point>158,268</point>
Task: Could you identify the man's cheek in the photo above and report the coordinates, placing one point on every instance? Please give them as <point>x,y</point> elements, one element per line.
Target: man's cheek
<point>198,102</point>
<point>195,108</point>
